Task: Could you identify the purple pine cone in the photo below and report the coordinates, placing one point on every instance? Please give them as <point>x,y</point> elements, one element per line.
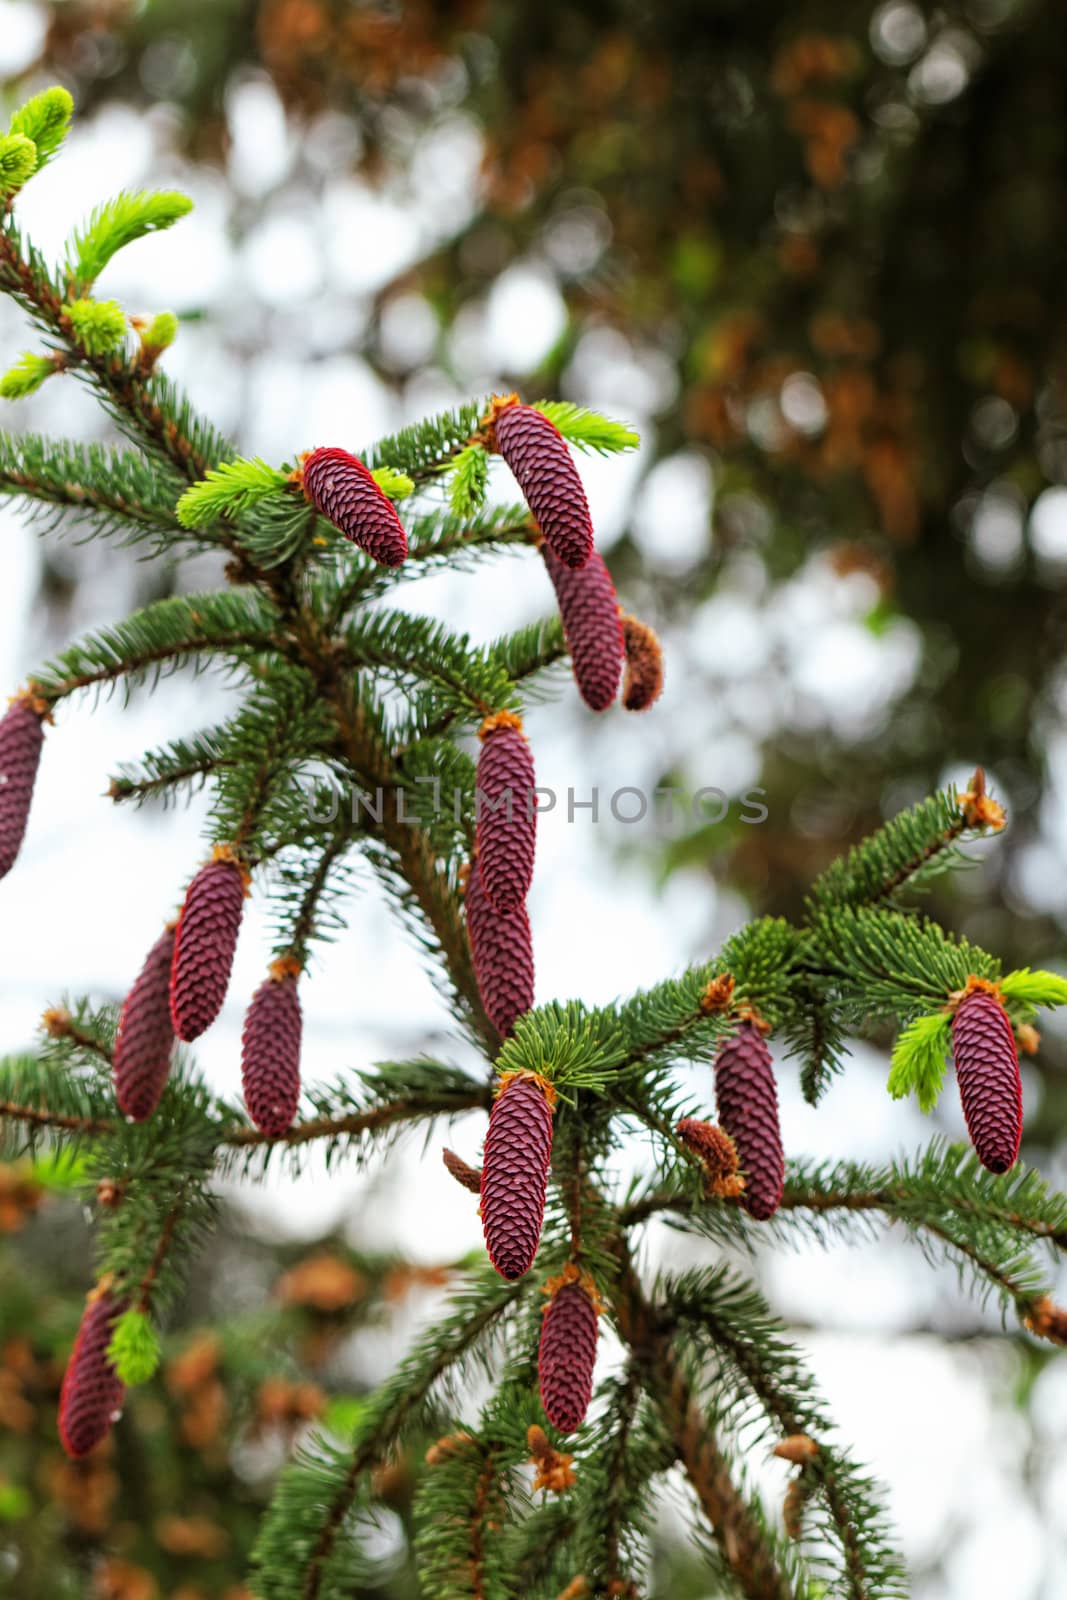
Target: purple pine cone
<point>589,609</point>
<point>270,1052</point>
<point>341,487</point>
<point>507,818</point>
<point>566,1356</point>
<point>21,737</point>
<point>987,1071</point>
<point>502,952</point>
<point>92,1392</point>
<point>145,1035</point>
<point>537,454</point>
<point>204,946</point>
<point>748,1111</point>
<point>518,1149</point>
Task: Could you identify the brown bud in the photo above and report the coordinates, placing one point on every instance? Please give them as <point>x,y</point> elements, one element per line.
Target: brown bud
<point>469,1177</point>
<point>797,1448</point>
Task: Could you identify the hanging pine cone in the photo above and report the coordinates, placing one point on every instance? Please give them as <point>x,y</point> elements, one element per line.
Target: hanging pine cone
<point>270,1051</point>
<point>507,818</point>
<point>518,1148</point>
<point>21,737</point>
<point>341,487</point>
<point>92,1392</point>
<point>987,1071</point>
<point>566,1355</point>
<point>502,952</point>
<point>643,684</point>
<point>748,1110</point>
<point>145,1035</point>
<point>470,1177</point>
<point>589,608</point>
<point>204,944</point>
<point>537,454</point>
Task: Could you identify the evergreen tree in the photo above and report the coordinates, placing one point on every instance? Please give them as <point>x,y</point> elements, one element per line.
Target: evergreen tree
<point>339,697</point>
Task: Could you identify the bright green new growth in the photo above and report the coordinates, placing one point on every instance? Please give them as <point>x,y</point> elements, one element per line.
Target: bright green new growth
<point>334,691</point>
<point>18,161</point>
<point>588,430</point>
<point>468,480</point>
<point>918,1061</point>
<point>228,490</point>
<point>99,324</point>
<point>161,332</point>
<point>26,376</point>
<point>46,121</point>
<point>116,224</point>
<point>134,1349</point>
<point>396,485</point>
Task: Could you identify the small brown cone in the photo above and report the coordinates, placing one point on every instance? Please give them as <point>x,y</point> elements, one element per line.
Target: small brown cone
<point>748,1110</point>
<point>92,1392</point>
<point>341,487</point>
<point>469,1177</point>
<point>518,1149</point>
<point>21,738</point>
<point>204,945</point>
<point>643,683</point>
<point>717,1154</point>
<point>145,1038</point>
<point>270,1051</point>
<point>566,1355</point>
<point>987,1071</point>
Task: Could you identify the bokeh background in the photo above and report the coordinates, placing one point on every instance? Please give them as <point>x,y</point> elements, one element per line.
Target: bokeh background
<point>816,255</point>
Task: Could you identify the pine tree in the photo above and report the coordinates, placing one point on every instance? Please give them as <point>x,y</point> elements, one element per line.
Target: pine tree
<point>707,1375</point>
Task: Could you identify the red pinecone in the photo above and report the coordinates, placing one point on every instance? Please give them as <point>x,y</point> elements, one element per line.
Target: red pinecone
<point>589,608</point>
<point>92,1392</point>
<point>502,952</point>
<point>537,454</point>
<point>270,1051</point>
<point>566,1355</point>
<point>518,1149</point>
<point>21,737</point>
<point>145,1035</point>
<point>748,1110</point>
<point>987,1071</point>
<point>204,945</point>
<point>643,684</point>
<point>341,487</point>
<point>507,817</point>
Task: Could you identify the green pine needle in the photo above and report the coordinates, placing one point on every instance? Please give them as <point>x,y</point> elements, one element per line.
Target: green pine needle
<point>118,223</point>
<point>919,1059</point>
<point>18,161</point>
<point>396,485</point>
<point>229,489</point>
<point>1034,988</point>
<point>468,479</point>
<point>588,430</point>
<point>46,121</point>
<point>26,376</point>
<point>134,1349</point>
<point>100,325</point>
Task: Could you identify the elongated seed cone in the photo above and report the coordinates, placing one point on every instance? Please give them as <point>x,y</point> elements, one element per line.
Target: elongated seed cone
<point>589,609</point>
<point>341,487</point>
<point>92,1393</point>
<point>270,1052</point>
<point>502,952</point>
<point>748,1110</point>
<point>643,683</point>
<point>204,946</point>
<point>470,1177</point>
<point>21,737</point>
<point>145,1037</point>
<point>507,818</point>
<point>537,454</point>
<point>566,1356</point>
<point>518,1148</point>
<point>987,1071</point>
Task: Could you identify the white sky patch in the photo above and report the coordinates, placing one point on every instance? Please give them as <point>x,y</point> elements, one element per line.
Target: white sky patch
<point>525,315</point>
<point>672,516</point>
<point>261,150</point>
<point>22,35</point>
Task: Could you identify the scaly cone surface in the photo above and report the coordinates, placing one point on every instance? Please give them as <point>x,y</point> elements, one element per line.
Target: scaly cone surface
<point>204,946</point>
<point>748,1111</point>
<point>92,1392</point>
<point>589,610</point>
<point>21,738</point>
<point>270,1051</point>
<point>502,952</point>
<point>566,1354</point>
<point>145,1038</point>
<point>341,487</point>
<point>518,1149</point>
<point>537,454</point>
<point>507,818</point>
<point>987,1071</point>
